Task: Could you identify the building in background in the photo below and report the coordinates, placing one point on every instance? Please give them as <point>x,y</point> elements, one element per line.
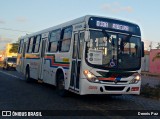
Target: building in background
<point>2,53</point>
<point>154,62</point>
<point>145,61</point>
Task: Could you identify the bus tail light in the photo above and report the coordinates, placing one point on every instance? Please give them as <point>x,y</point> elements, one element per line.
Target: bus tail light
<point>90,77</point>
<point>136,79</point>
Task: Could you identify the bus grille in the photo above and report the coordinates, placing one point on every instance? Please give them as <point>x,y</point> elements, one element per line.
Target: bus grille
<point>115,88</point>
<point>115,74</point>
<point>113,82</point>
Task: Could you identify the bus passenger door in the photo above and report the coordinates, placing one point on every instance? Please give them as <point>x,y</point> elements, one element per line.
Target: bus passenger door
<point>42,56</point>
<point>76,60</point>
<point>22,69</point>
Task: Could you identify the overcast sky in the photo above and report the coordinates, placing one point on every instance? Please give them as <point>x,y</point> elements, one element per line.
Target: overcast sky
<point>18,17</point>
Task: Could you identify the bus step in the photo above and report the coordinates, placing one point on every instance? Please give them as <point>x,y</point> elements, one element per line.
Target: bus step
<point>40,81</point>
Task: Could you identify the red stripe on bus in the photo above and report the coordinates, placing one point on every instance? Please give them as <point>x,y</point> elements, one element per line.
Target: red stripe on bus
<point>55,64</point>
<point>111,78</point>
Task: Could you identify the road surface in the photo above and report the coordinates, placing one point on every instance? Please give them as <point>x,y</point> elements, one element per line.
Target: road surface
<point>16,94</point>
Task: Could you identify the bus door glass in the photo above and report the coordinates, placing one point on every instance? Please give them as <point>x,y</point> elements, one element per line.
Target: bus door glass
<point>23,57</point>
<point>42,55</point>
<point>76,60</point>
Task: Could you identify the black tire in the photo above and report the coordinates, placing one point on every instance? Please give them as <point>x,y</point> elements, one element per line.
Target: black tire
<point>61,86</point>
<point>27,75</point>
<point>7,67</point>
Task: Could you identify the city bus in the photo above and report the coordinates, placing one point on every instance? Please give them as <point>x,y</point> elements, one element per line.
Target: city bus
<point>88,55</point>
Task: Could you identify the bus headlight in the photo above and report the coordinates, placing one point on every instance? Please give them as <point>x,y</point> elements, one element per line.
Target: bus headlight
<point>90,77</point>
<point>10,64</point>
<point>136,79</point>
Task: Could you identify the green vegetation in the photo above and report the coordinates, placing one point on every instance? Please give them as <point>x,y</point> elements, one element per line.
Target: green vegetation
<point>151,92</point>
<point>14,48</point>
<point>1,63</point>
<point>158,46</point>
<point>157,56</point>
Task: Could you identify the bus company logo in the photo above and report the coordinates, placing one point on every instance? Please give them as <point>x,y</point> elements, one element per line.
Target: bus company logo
<point>6,113</point>
<point>15,113</point>
<point>115,81</point>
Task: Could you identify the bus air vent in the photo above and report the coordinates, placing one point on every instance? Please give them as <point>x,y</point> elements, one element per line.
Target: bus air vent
<point>114,88</point>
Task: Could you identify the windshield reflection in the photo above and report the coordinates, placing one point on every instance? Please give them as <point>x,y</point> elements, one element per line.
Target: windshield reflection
<point>112,50</point>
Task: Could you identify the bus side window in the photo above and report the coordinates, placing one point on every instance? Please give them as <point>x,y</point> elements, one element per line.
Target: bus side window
<point>53,41</point>
<point>75,46</point>
<point>27,45</point>
<point>20,46</point>
<point>66,39</point>
<point>81,39</point>
<point>30,48</point>
<point>37,44</point>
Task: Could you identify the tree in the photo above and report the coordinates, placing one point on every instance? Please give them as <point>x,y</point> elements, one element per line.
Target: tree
<point>14,48</point>
<point>158,47</point>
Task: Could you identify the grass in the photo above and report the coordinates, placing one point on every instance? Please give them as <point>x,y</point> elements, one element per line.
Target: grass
<point>151,92</point>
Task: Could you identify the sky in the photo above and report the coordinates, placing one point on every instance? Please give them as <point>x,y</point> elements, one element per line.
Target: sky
<point>20,17</point>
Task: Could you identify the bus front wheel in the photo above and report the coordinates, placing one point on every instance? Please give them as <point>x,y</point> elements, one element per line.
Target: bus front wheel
<point>61,86</point>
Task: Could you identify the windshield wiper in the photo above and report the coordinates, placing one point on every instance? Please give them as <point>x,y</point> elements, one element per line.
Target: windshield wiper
<point>105,33</point>
<point>128,37</point>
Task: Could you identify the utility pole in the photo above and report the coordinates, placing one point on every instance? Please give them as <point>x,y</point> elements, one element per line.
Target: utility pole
<point>150,46</point>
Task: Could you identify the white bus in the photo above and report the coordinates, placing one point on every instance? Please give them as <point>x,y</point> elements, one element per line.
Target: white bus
<point>88,55</point>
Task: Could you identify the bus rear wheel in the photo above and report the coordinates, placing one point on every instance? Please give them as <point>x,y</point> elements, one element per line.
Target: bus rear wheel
<point>27,75</point>
<point>61,86</point>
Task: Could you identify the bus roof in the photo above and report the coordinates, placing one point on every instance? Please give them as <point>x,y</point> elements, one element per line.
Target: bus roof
<point>72,22</point>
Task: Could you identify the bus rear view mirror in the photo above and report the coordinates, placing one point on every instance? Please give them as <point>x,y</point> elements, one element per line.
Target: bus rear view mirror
<point>87,36</point>
<point>142,48</point>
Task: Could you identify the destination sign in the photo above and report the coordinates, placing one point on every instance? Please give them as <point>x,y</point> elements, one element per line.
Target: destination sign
<point>120,27</point>
<point>102,24</point>
<point>114,25</point>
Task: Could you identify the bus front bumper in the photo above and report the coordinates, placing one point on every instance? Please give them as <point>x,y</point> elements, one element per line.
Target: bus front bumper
<point>98,88</point>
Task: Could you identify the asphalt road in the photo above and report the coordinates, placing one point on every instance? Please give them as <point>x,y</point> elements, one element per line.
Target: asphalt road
<point>153,81</point>
<point>16,94</point>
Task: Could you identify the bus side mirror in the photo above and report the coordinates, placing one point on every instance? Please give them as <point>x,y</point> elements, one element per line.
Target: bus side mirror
<point>87,36</point>
<point>142,49</point>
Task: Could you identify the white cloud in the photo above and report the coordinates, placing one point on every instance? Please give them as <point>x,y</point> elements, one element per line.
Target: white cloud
<point>2,21</point>
<point>115,7</point>
<point>21,19</point>
<point>106,7</point>
<point>4,41</point>
<point>127,9</point>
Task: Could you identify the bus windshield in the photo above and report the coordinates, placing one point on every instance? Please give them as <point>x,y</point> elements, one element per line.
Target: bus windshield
<point>113,51</point>
<point>12,60</point>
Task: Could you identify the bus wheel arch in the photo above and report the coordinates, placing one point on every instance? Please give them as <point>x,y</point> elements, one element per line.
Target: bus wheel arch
<point>60,83</point>
<point>27,74</point>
